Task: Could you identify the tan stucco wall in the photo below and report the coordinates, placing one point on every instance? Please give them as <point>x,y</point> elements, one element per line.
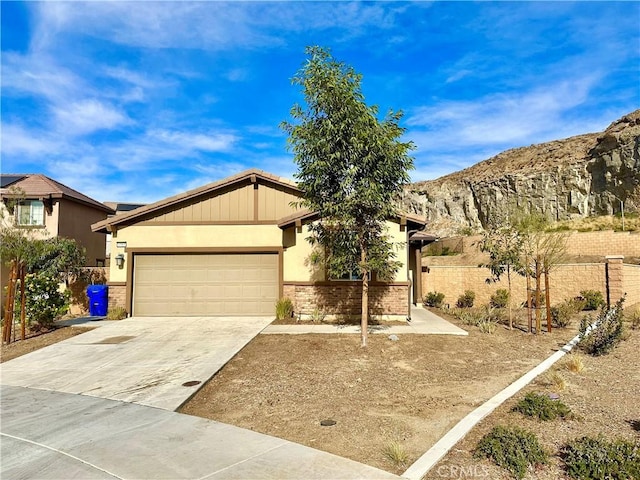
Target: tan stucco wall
<point>50,221</point>
<point>296,268</point>
<point>190,236</point>
<point>296,251</point>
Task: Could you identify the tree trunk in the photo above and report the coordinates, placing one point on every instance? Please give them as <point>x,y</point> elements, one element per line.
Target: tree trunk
<point>364,321</point>
<point>538,279</point>
<point>530,317</point>
<point>547,299</point>
<point>509,300</point>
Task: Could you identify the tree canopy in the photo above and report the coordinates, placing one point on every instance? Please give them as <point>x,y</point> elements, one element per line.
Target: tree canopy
<point>351,168</point>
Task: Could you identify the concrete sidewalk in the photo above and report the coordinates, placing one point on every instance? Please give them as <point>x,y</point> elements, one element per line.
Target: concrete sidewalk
<point>423,322</point>
<point>52,435</point>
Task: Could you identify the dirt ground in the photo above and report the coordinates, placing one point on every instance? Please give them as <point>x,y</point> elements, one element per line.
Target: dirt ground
<point>409,391</point>
<point>604,398</point>
<point>37,340</point>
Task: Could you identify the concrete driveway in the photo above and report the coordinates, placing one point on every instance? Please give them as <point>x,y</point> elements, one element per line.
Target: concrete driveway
<point>82,409</point>
<point>144,360</point>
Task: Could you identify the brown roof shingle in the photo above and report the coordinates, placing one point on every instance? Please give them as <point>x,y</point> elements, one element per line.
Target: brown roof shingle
<point>38,185</point>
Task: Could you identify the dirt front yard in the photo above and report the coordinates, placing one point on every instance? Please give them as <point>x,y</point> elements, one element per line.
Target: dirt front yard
<point>603,398</point>
<point>410,391</point>
<point>37,340</point>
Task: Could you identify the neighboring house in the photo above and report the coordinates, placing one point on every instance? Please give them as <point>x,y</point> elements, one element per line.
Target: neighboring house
<point>234,247</point>
<point>119,208</point>
<point>55,210</point>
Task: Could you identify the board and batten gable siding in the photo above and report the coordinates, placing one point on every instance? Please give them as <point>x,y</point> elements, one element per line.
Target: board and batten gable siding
<point>249,203</point>
<point>274,202</point>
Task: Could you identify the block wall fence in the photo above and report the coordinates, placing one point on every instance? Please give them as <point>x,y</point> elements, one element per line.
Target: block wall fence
<point>613,278</point>
<point>602,243</point>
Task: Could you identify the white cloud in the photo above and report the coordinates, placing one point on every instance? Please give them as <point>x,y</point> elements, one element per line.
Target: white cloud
<point>87,116</point>
<point>207,142</point>
<point>17,140</point>
<point>499,119</point>
<point>208,25</point>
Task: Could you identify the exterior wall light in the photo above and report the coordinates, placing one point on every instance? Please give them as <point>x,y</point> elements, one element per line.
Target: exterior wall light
<point>120,260</point>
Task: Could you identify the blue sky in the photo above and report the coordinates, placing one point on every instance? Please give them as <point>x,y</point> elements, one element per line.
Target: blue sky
<point>138,101</point>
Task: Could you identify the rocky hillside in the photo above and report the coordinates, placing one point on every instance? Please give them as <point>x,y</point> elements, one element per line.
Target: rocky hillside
<point>576,177</point>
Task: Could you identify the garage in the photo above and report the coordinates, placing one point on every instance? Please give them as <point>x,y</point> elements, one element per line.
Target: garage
<point>205,284</point>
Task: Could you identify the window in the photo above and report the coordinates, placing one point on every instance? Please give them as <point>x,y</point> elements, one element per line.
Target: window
<point>30,213</point>
<point>353,276</point>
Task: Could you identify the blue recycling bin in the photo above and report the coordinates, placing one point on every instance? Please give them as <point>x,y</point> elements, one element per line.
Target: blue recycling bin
<point>98,300</point>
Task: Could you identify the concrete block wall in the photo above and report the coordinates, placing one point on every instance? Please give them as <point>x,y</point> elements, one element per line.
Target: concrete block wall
<point>631,285</point>
<point>602,243</point>
<point>566,281</point>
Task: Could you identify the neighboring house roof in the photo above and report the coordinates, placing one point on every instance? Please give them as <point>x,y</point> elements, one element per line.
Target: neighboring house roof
<point>308,216</point>
<point>123,207</point>
<point>252,174</point>
<point>40,186</point>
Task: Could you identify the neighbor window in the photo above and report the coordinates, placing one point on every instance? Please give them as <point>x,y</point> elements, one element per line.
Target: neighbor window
<point>30,213</point>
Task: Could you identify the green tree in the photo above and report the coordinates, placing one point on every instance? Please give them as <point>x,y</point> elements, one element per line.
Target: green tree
<point>504,245</point>
<point>351,168</point>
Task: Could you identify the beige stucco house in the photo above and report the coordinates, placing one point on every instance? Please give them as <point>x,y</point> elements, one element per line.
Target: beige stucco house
<point>52,209</point>
<point>234,247</point>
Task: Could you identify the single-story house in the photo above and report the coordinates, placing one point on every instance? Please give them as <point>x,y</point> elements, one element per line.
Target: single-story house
<point>234,247</point>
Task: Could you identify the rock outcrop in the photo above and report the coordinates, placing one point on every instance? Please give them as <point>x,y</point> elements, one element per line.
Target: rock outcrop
<point>576,177</point>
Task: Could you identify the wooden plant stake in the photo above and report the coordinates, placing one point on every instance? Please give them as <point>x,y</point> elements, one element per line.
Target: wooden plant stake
<point>8,308</point>
<point>23,301</point>
<point>548,299</point>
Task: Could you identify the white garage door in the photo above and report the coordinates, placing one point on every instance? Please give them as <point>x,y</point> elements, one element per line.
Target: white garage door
<point>205,284</point>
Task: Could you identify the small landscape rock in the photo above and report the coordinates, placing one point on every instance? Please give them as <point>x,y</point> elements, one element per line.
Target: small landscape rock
<point>393,338</point>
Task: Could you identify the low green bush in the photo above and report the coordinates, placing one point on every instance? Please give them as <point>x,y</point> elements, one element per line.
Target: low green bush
<point>466,299</point>
<point>43,300</point>
<point>512,448</point>
<point>284,308</point>
<point>607,333</point>
<point>541,406</point>
<point>500,299</point>
<point>433,299</point>
<point>562,313</point>
<point>117,313</point>
<point>593,299</point>
<point>589,458</point>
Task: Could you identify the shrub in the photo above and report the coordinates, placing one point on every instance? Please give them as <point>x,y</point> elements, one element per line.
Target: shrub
<point>487,326</point>
<point>597,458</point>
<point>317,316</point>
<point>593,299</point>
<point>607,333</point>
<point>468,316</point>
<point>466,299</point>
<point>574,363</point>
<point>434,299</point>
<point>395,452</point>
<point>44,301</point>
<point>500,299</point>
<point>541,406</point>
<point>634,320</point>
<point>284,308</point>
<point>511,448</point>
<point>561,314</point>
<point>116,313</point>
